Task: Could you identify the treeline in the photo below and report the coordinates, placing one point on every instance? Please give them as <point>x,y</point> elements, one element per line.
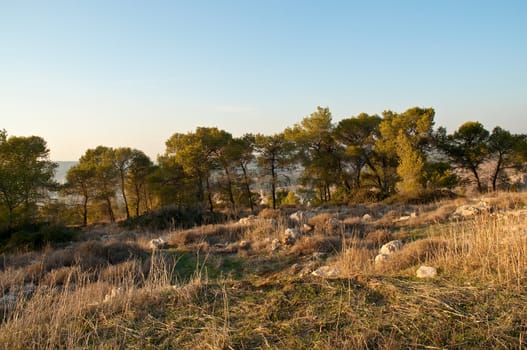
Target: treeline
<point>361,158</point>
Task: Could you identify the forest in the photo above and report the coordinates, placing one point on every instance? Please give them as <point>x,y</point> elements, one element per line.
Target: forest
<point>208,174</point>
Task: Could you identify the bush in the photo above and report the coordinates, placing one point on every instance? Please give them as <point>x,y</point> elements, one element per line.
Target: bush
<point>38,235</point>
<point>172,218</point>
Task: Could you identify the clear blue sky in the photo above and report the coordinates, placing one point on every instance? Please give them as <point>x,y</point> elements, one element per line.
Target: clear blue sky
<point>131,73</point>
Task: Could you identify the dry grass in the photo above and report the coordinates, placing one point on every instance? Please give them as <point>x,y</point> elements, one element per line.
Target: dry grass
<point>118,294</point>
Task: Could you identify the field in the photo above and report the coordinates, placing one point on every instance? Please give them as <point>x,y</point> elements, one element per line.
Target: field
<point>251,285</point>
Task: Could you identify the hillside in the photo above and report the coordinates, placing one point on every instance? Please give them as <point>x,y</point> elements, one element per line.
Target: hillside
<point>290,279</point>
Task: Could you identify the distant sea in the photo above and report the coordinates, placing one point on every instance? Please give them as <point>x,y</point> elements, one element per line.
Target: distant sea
<point>62,169</point>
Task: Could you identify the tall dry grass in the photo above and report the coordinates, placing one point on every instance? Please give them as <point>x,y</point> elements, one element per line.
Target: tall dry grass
<point>75,312</point>
<point>490,248</point>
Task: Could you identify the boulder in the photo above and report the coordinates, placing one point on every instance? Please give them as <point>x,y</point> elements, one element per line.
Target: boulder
<point>426,272</point>
<point>391,247</point>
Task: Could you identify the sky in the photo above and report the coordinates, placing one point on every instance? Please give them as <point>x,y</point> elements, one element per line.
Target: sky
<point>132,73</point>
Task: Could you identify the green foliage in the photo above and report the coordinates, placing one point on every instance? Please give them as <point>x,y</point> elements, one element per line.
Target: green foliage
<point>318,151</point>
<point>358,136</point>
<point>291,199</point>
<point>439,175</point>
<point>509,151</point>
<point>405,137</point>
<point>467,148</point>
<point>26,175</point>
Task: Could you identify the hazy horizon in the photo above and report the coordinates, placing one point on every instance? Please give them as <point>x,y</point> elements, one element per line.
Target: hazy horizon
<point>117,74</point>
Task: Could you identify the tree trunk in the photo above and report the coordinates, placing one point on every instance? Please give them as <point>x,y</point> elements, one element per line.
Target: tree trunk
<point>478,181</point>
<point>497,172</point>
<point>85,211</point>
<point>273,186</point>
<point>110,210</point>
<point>229,189</point>
<point>124,196</point>
<point>209,195</point>
<point>137,199</point>
<point>247,186</point>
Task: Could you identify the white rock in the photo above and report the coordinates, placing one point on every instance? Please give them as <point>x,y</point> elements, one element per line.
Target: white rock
<point>426,272</point>
<point>326,272</point>
<point>290,236</point>
<point>391,247</point>
<point>247,220</point>
<point>366,218</point>
<point>297,217</point>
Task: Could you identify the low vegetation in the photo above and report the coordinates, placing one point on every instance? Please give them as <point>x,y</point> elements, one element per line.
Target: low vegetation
<point>243,285</point>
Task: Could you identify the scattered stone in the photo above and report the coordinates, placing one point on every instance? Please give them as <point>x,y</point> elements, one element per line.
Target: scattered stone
<point>159,243</point>
<point>290,236</point>
<point>247,220</point>
<point>297,217</point>
<point>426,272</point>
<point>391,247</point>
<point>326,272</point>
<point>366,218</point>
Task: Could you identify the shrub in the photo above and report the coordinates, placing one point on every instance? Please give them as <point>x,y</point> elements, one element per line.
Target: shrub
<point>38,235</point>
<point>172,218</point>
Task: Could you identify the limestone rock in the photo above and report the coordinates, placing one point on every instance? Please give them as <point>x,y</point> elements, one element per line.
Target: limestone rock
<point>247,220</point>
<point>290,236</point>
<point>426,272</point>
<point>391,247</point>
<point>366,218</point>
